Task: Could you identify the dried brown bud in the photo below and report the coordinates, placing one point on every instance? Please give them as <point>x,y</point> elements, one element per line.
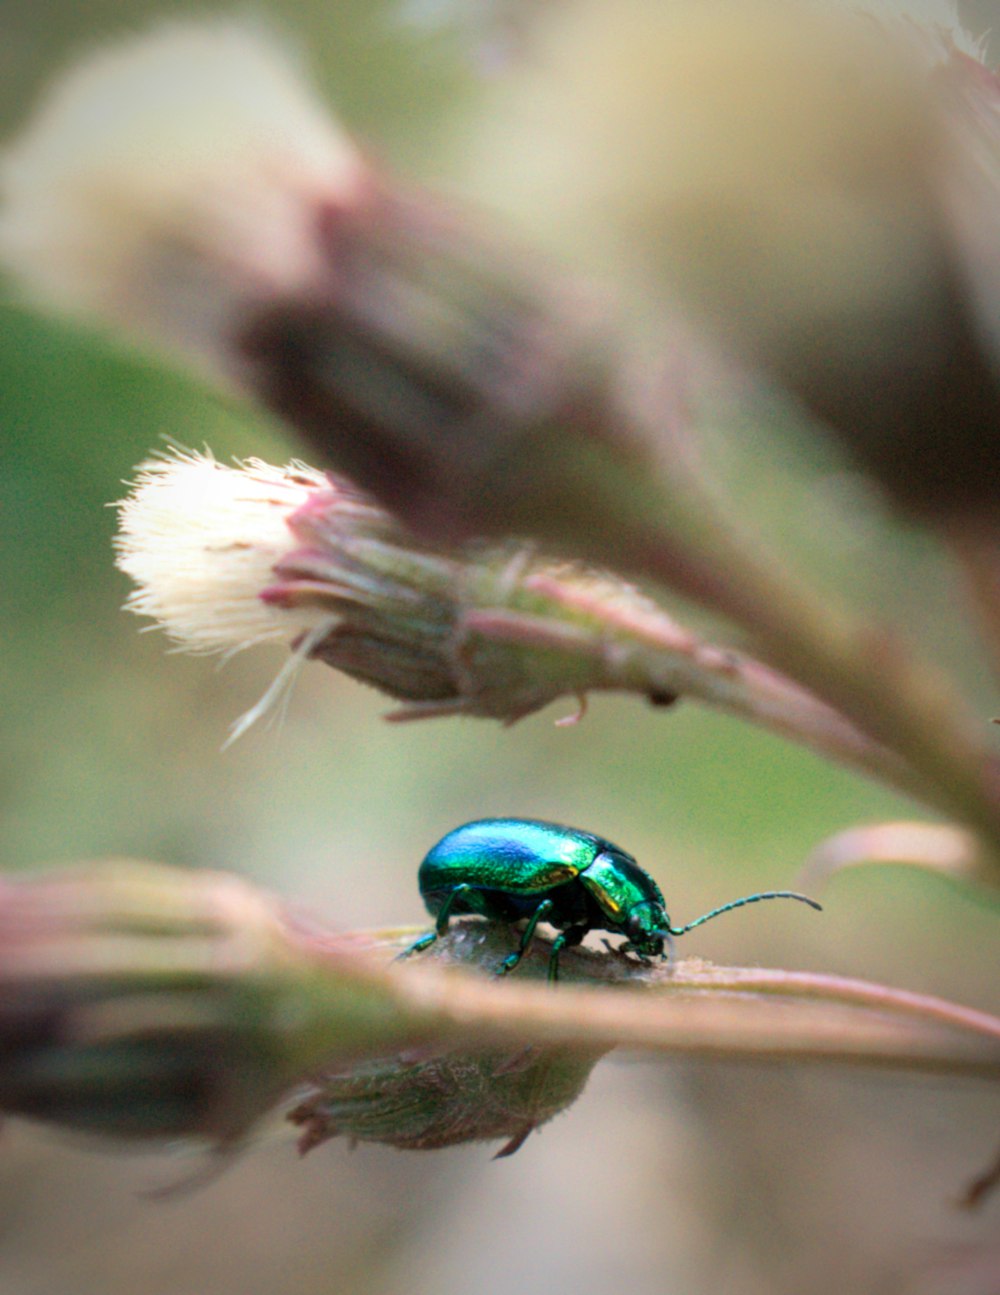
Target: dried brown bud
<point>463,387</point>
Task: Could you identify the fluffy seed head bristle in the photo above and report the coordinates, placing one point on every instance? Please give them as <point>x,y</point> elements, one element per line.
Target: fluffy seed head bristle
<point>169,180</point>
<point>200,539</point>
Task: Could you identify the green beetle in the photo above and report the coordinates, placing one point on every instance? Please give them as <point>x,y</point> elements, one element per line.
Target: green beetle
<point>514,869</point>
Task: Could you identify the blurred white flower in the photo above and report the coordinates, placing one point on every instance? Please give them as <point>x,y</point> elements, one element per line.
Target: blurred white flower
<point>171,180</point>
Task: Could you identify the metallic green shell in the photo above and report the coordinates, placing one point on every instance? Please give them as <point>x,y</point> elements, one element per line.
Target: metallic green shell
<point>618,885</point>
<point>513,855</point>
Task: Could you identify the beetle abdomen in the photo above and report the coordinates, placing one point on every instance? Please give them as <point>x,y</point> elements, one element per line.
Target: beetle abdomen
<point>515,856</point>
<point>497,905</point>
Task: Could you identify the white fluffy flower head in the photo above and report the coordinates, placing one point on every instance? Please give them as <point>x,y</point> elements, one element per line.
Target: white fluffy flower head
<point>201,539</point>
<point>169,181</point>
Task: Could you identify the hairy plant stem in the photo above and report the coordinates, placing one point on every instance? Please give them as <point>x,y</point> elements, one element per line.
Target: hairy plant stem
<point>495,631</point>
<point>645,641</point>
<point>862,670</point>
<point>521,408</point>
<point>845,989</point>
<point>724,1030</point>
<point>688,1007</point>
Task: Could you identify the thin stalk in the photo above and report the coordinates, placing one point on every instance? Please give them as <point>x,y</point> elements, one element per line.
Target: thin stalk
<point>844,989</point>
<point>689,1007</point>
<point>727,680</point>
<point>862,670</point>
<point>938,847</point>
<point>730,1027</point>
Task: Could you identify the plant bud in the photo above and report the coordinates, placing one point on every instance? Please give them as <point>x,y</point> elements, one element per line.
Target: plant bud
<point>171,182</point>
<point>816,184</point>
<point>142,1001</point>
<point>187,187</point>
<point>228,557</point>
<point>424,1099</point>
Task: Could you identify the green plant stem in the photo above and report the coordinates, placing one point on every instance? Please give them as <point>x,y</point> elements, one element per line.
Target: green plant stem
<point>689,1007</point>
<point>645,644</point>
<point>863,671</point>
<point>844,989</point>
<point>723,1029</point>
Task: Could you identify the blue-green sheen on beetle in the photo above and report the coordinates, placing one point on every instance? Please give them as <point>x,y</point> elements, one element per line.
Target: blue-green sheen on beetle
<point>523,869</point>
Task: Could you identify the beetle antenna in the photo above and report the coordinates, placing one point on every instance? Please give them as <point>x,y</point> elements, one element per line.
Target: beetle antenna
<point>738,903</point>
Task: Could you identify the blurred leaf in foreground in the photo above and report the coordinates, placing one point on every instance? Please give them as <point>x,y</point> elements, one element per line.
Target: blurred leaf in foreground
<point>145,1001</point>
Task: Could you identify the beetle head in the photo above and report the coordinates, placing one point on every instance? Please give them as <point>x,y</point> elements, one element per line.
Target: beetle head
<point>645,928</point>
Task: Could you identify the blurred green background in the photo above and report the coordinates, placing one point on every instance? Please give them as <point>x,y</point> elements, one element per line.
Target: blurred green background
<point>672,1177</point>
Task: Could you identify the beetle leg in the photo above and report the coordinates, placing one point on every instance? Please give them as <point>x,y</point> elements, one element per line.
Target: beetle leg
<point>512,959</point>
<point>558,944</point>
<point>565,940</point>
<point>575,935</point>
<point>628,947</point>
<point>460,892</point>
<point>424,942</point>
<point>440,924</point>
